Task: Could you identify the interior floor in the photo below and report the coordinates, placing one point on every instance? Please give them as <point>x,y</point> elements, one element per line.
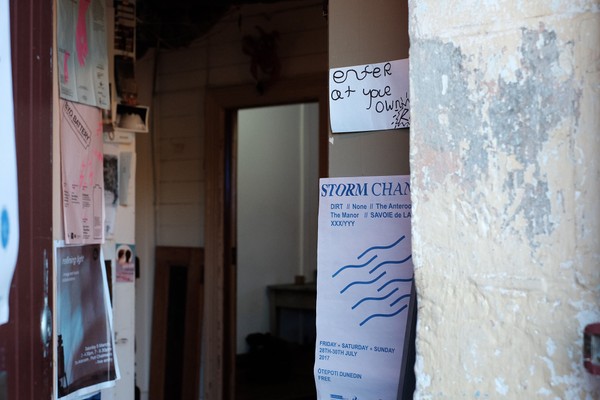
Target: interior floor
<point>276,370</point>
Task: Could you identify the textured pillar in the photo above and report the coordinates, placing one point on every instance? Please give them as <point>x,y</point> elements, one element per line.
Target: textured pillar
<point>505,151</point>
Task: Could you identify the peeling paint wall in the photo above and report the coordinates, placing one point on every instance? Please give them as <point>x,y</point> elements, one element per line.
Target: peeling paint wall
<point>505,170</point>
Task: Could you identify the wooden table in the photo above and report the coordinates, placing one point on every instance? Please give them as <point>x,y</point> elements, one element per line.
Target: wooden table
<point>289,296</point>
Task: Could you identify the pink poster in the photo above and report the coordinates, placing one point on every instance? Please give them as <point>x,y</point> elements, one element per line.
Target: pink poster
<point>82,173</point>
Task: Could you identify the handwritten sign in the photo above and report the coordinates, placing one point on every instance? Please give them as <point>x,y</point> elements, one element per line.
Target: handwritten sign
<point>369,97</point>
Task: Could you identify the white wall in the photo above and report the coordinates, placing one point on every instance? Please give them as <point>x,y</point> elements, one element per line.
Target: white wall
<point>504,162</point>
<point>145,225</point>
<point>276,174</point>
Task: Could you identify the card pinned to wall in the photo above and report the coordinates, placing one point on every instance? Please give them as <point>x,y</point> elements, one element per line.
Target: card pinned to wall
<point>125,263</point>
<point>369,97</point>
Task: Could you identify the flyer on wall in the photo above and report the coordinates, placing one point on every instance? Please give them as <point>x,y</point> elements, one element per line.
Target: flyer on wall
<point>86,360</point>
<point>82,52</point>
<point>364,286</point>
<point>82,159</point>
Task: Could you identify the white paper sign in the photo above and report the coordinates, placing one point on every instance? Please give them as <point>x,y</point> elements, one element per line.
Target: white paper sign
<point>9,213</point>
<point>364,282</point>
<point>82,52</point>
<point>82,165</point>
<point>369,97</point>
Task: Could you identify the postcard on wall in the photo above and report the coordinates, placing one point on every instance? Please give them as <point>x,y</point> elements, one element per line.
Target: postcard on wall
<point>82,52</point>
<point>82,173</point>
<point>86,357</point>
<point>369,97</point>
<point>111,189</point>
<point>125,263</point>
<point>9,210</point>
<point>364,286</point>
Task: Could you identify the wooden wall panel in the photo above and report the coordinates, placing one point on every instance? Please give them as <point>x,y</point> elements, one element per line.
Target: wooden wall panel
<point>217,60</point>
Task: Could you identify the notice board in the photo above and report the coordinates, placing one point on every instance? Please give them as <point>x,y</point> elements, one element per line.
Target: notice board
<point>364,286</point>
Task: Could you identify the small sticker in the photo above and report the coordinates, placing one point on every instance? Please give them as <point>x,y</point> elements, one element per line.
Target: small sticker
<point>4,228</point>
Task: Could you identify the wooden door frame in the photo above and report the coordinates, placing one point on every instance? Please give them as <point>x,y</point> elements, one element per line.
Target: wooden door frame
<point>23,354</point>
<point>221,104</point>
<point>192,259</point>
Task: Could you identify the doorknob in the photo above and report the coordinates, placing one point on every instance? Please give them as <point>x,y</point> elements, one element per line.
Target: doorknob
<point>46,318</point>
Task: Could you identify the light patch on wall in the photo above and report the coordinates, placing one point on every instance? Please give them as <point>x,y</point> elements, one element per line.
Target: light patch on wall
<point>550,347</point>
<point>569,380</point>
<point>518,117</point>
<point>524,115</point>
<point>501,386</point>
<point>424,379</point>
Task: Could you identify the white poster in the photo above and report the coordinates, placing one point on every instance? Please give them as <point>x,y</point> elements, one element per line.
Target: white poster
<point>82,158</point>
<point>364,282</point>
<point>9,212</point>
<point>369,97</point>
<point>82,52</point>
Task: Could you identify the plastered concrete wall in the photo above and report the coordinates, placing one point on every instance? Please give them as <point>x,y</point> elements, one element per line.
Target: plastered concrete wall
<point>505,150</point>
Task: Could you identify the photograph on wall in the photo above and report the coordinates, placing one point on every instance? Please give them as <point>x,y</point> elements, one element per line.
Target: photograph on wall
<point>364,286</point>
<point>125,263</point>
<point>82,52</point>
<point>111,193</point>
<point>86,360</point>
<point>82,164</point>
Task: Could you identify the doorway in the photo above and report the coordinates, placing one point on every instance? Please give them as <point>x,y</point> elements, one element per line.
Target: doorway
<point>222,105</point>
<point>276,192</point>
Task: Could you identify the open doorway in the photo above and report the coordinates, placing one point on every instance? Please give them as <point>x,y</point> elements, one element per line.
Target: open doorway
<point>276,191</point>
<point>222,105</point>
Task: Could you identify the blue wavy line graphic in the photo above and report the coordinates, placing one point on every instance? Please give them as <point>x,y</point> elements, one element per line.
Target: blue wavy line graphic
<point>362,282</point>
<point>381,247</point>
<point>394,281</point>
<point>399,299</point>
<point>383,315</point>
<point>353,266</point>
<point>390,262</point>
<point>375,298</point>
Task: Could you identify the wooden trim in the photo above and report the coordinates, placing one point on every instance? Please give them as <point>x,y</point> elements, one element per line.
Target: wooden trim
<point>24,356</point>
<point>220,106</point>
<point>192,259</point>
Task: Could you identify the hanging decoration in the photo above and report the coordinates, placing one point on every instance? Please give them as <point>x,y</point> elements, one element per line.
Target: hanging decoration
<point>265,65</point>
